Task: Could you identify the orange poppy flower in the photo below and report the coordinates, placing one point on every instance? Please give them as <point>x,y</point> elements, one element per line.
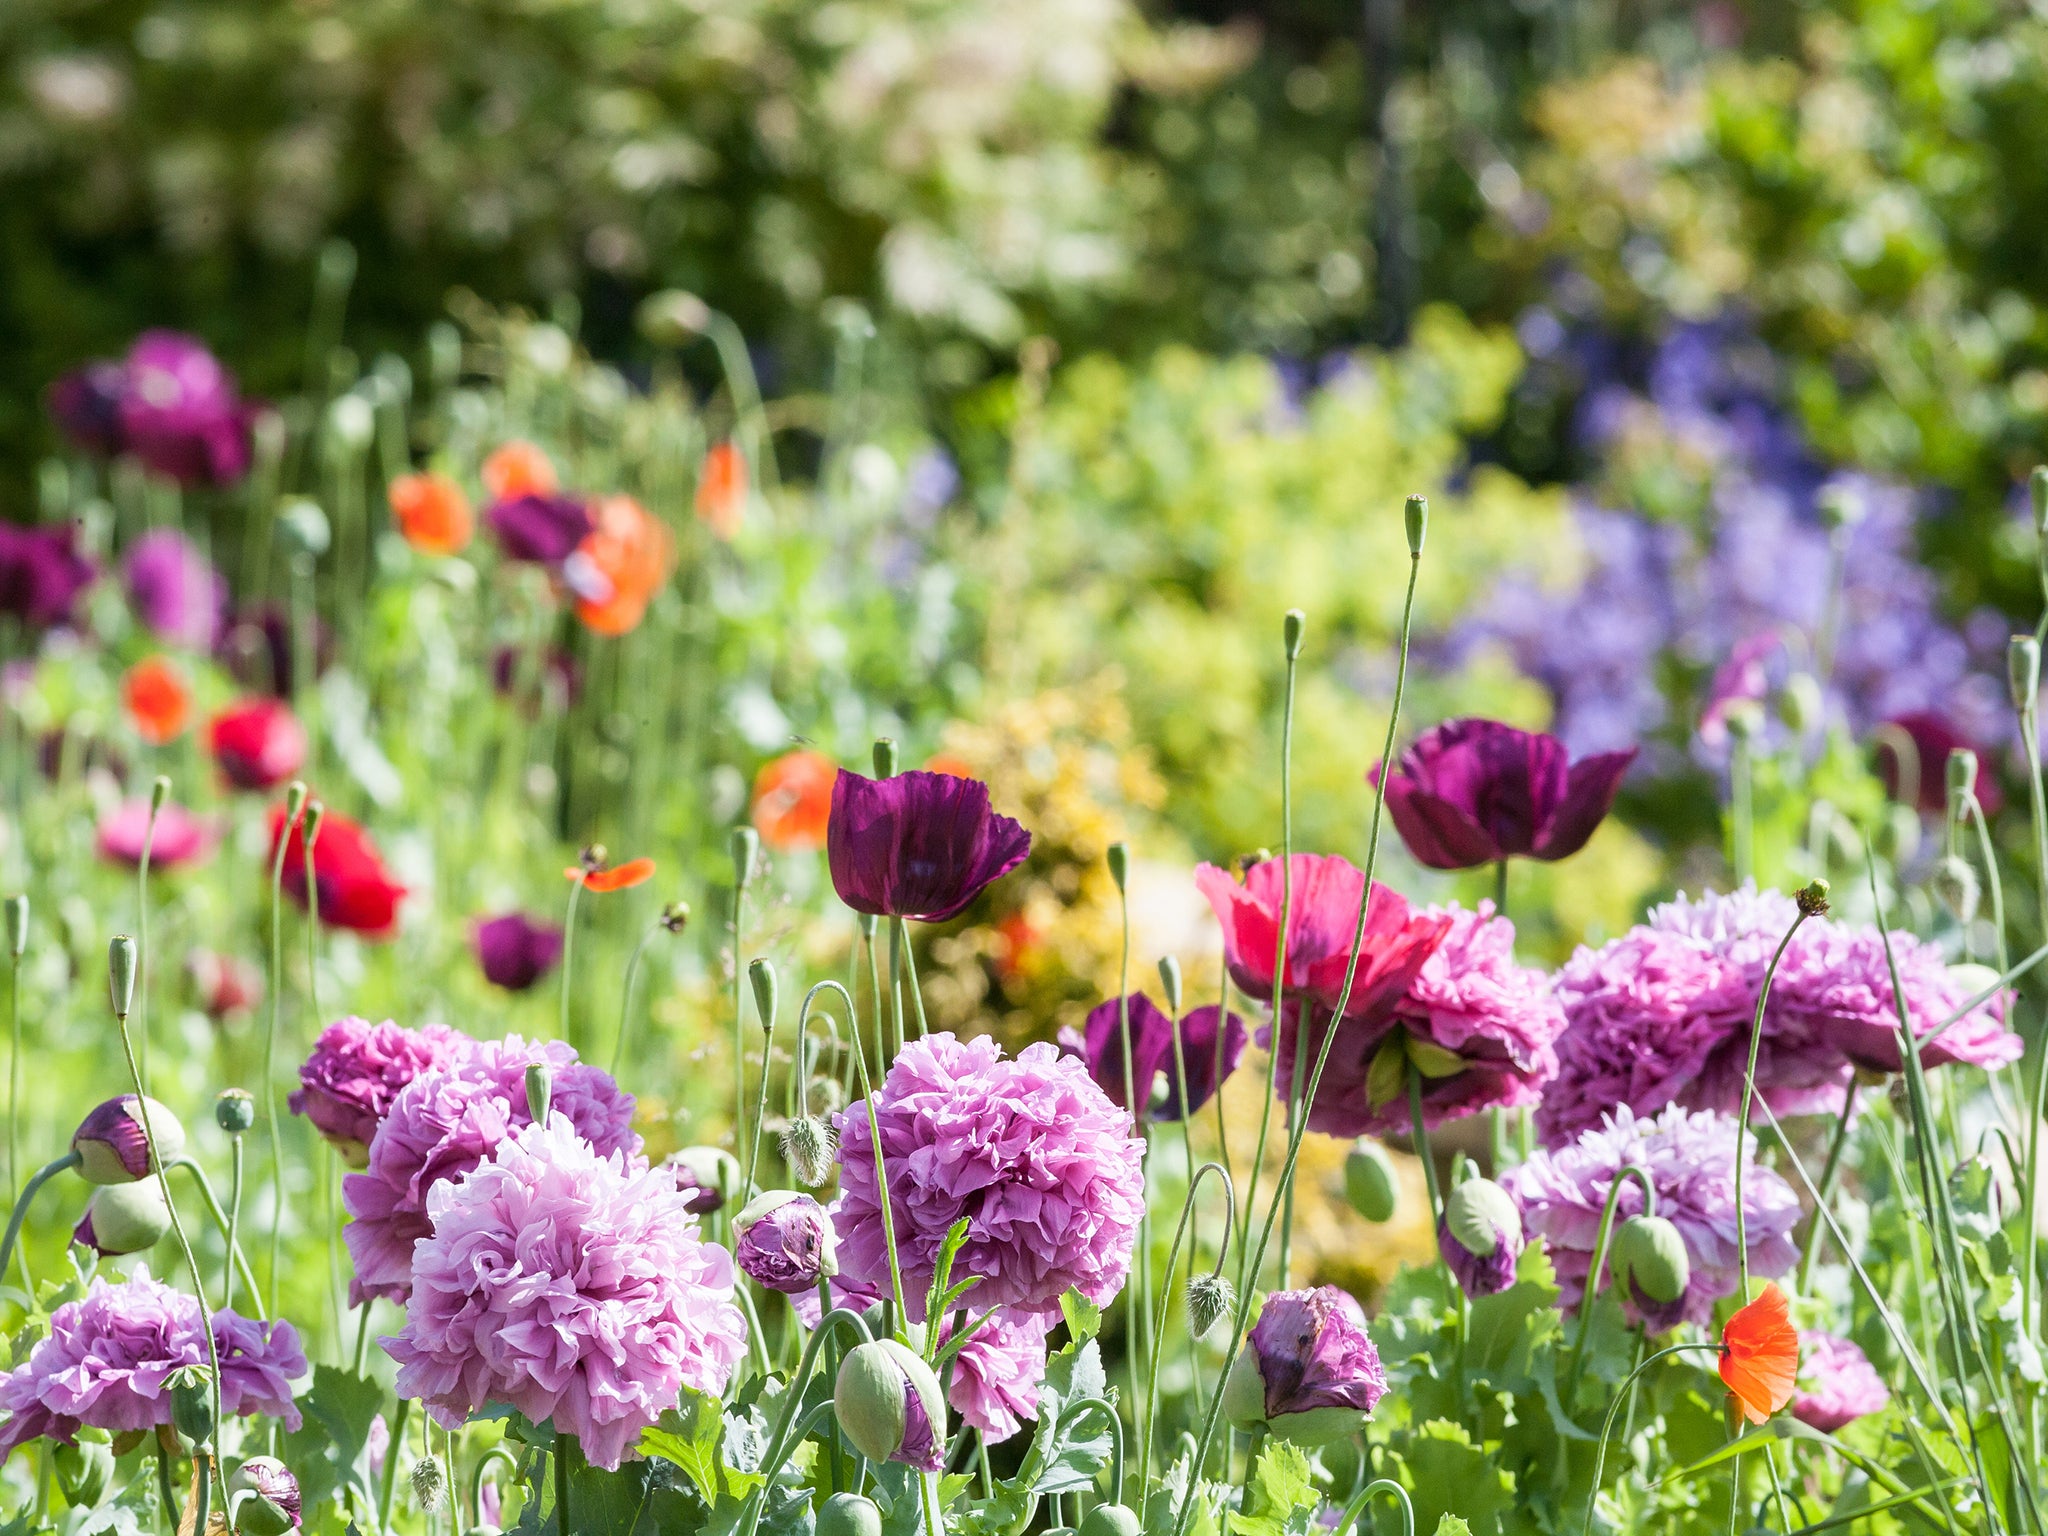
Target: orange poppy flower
<point>158,699</point>
<point>949,763</point>
<point>793,800</point>
<point>621,563</point>
<point>1760,1355</point>
<point>619,877</point>
<point>518,468</point>
<point>722,489</point>
<point>432,513</point>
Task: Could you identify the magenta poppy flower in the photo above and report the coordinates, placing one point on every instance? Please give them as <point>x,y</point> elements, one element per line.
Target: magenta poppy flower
<point>919,845</point>
<point>514,951</point>
<point>1322,924</point>
<point>1933,738</point>
<point>42,573</point>
<point>174,589</point>
<point>258,743</point>
<point>1152,1063</point>
<point>540,529</point>
<point>1472,792</point>
<point>86,405</point>
<point>1308,1371</point>
<point>181,838</point>
<point>357,1069</point>
<point>1740,682</point>
<point>181,413</point>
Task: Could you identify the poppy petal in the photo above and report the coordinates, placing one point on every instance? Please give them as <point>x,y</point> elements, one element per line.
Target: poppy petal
<point>620,876</point>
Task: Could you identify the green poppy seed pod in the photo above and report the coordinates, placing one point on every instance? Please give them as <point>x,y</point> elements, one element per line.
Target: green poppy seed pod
<point>192,1402</point>
<point>1370,1183</point>
<point>761,975</point>
<point>745,847</point>
<point>849,1514</point>
<point>1812,898</point>
<point>1110,1520</point>
<point>1416,515</point>
<point>1290,631</point>
<point>124,1218</point>
<point>869,1396</point>
<point>234,1111</point>
<point>85,1469</point>
<point>159,792</point>
<point>121,974</point>
<point>1169,978</point>
<point>1649,1253</point>
<point>1954,883</point>
<point>1120,864</point>
<point>2023,670</point>
<point>885,757</point>
<point>17,926</point>
<point>1478,1212</point>
<point>294,800</point>
<point>540,1091</point>
<point>1209,1298</point>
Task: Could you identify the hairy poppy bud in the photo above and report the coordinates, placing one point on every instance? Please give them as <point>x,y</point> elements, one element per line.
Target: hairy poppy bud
<point>124,1218</point>
<point>1954,883</point>
<point>427,1484</point>
<point>785,1241</point>
<point>890,1405</point>
<point>1169,980</point>
<point>1369,1180</point>
<point>1480,1236</point>
<point>1652,1268</point>
<point>265,1497</point>
<point>1110,1520</point>
<point>234,1110</point>
<point>1209,1297</point>
<point>807,1144</point>
<point>850,1514</point>
<point>113,1146</point>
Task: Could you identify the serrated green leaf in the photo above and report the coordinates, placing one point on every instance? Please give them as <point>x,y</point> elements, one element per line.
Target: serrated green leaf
<point>325,1449</point>
<point>1162,1505</point>
<point>1451,1525</point>
<point>1084,1318</point>
<point>1448,1474</point>
<point>1279,1497</point>
<point>692,1436</point>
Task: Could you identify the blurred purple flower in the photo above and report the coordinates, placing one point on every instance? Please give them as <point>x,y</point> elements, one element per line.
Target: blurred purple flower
<point>42,573</point>
<point>86,405</point>
<point>1929,737</point>
<point>515,951</point>
<point>542,529</point>
<point>1100,1046</point>
<point>1837,1384</point>
<point>919,845</point>
<point>181,413</point>
<point>174,589</point>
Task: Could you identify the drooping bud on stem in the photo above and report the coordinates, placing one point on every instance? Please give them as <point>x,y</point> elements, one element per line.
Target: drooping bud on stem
<point>540,1091</point>
<point>761,975</point>
<point>1290,631</point>
<point>316,812</point>
<point>159,792</point>
<point>2023,670</point>
<point>121,974</point>
<point>744,845</point>
<point>1416,514</point>
<point>294,800</point>
<point>1962,782</point>
<point>1120,864</point>
<point>1209,1298</point>
<point>1169,978</point>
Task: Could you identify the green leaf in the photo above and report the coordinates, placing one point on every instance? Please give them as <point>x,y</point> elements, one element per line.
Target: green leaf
<point>692,1435</point>
<point>1162,1506</point>
<point>1279,1497</point>
<point>1448,1474</point>
<point>1084,1318</point>
<point>605,1503</point>
<point>325,1450</point>
<point>1451,1525</point>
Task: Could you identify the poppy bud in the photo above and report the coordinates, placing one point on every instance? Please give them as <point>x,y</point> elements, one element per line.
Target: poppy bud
<point>890,1405</point>
<point>1954,883</point>
<point>234,1110</point>
<point>762,977</point>
<point>85,1469</point>
<point>540,1091</point>
<point>744,845</point>
<point>671,317</point>
<point>2023,670</point>
<point>302,528</point>
<point>1209,1297</point>
<point>123,1218</point>
<point>849,1514</point>
<point>1169,980</point>
<point>427,1484</point>
<point>121,974</point>
<point>785,1241</point>
<point>112,1145</point>
<point>1651,1266</point>
<point>1962,781</point>
<point>1812,898</point>
<point>1290,631</point>
<point>1480,1236</point>
<point>1120,864</point>
<point>885,757</point>
<point>264,1496</point>
<point>1308,1371</point>
<point>1416,516</point>
<point>1802,703</point>
<point>192,1402</point>
<point>710,1176</point>
<point>1369,1180</point>
<point>17,925</point>
<point>1110,1520</point>
<point>807,1149</point>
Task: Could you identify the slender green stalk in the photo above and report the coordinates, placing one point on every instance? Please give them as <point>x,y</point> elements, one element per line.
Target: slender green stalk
<point>1994,885</point>
<point>1742,813</point>
<point>1420,1133</point>
<point>564,1458</point>
<point>1601,1242</point>
<point>14,1069</point>
<point>236,1172</point>
<point>42,1176</point>
<point>1138,1294</point>
<point>1620,1396</point>
<point>626,993</point>
<point>1187,1211</point>
<point>1830,1172</point>
<point>2030,1270</point>
<point>1365,1495</point>
<point>780,1442</point>
<point>1808,905</point>
<point>294,801</point>
<point>224,1224</point>
<point>391,1456</point>
<point>158,791</point>
<point>860,1062</point>
<point>742,873</point>
<point>567,1027</point>
<point>910,975</point>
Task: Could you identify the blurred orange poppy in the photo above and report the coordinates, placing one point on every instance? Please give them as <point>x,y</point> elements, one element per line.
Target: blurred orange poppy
<point>618,878</point>
<point>158,700</point>
<point>432,513</point>
<point>949,763</point>
<point>722,489</point>
<point>1760,1355</point>
<point>517,468</point>
<point>793,800</point>
<point>621,563</point>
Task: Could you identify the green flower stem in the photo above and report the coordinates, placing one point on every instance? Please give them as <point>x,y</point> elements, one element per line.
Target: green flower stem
<point>14,1103</point>
<point>156,803</point>
<point>294,800</point>
<point>867,1089</point>
<point>236,1174</point>
<point>41,1177</point>
<point>750,417</point>
<point>1600,1245</point>
<point>1420,1134</point>
<point>1829,1174</point>
<point>1993,884</point>
<point>895,993</point>
<point>739,1021</point>
<point>1222,1020</point>
<point>1365,1496</point>
<point>910,976</point>
<point>1742,1133</point>
<point>565,1461</point>
<point>1621,1396</point>
<point>391,1458</point>
<point>497,1455</point>
<point>1293,1158</point>
<point>566,1029</point>
<point>626,992</point>
<point>1742,814</point>
<point>1140,1290</point>
<point>226,1225</point>
<point>782,1442</point>
<point>1187,1211</point>
<point>2030,1316</point>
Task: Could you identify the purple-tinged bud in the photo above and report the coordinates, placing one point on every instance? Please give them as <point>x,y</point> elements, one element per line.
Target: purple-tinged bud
<point>123,1218</point>
<point>1653,1269</point>
<point>1308,1372</point>
<point>264,1497</point>
<point>890,1405</point>
<point>785,1241</point>
<point>111,1144</point>
<point>1480,1237</point>
<point>710,1176</point>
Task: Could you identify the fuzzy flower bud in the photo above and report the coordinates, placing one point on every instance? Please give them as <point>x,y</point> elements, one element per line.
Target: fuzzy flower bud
<point>124,1218</point>
<point>1480,1236</point>
<point>1209,1298</point>
<point>112,1145</point>
<point>427,1484</point>
<point>121,974</point>
<point>761,976</point>
<point>1954,883</point>
<point>890,1405</point>
<point>265,1497</point>
<point>785,1241</point>
<point>1962,781</point>
<point>807,1144</point>
<point>1369,1180</point>
<point>1416,516</point>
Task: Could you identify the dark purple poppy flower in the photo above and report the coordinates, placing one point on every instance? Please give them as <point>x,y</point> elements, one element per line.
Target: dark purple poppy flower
<point>1100,1045</point>
<point>1933,737</point>
<point>1309,1371</point>
<point>543,529</point>
<point>919,845</point>
<point>515,951</point>
<point>181,413</point>
<point>260,649</point>
<point>86,405</point>
<point>174,589</point>
<point>1471,792</point>
<point>42,573</point>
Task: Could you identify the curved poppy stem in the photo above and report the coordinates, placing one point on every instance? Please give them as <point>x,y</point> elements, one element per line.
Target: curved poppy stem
<point>37,1180</point>
<point>779,1444</point>
<point>1600,1246</point>
<point>1137,1295</point>
<point>1187,1211</point>
<point>867,1088</point>
<point>1365,1496</point>
<point>1742,1131</point>
<point>159,791</point>
<point>910,975</point>
<point>294,802</point>
<point>1621,1396</point>
<point>626,993</point>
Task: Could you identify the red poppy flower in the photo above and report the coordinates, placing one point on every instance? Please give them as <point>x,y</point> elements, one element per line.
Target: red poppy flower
<point>258,743</point>
<point>356,892</point>
<point>518,468</point>
<point>619,877</point>
<point>158,700</point>
<point>722,489</point>
<point>432,513</point>
<point>793,800</point>
<point>1760,1355</point>
<point>621,563</point>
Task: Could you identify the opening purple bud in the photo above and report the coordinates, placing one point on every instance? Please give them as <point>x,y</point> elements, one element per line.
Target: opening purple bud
<point>264,1497</point>
<point>709,1176</point>
<point>890,1406</point>
<point>1308,1372</point>
<point>785,1241</point>
<point>1480,1237</point>
<point>124,1218</point>
<point>113,1145</point>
